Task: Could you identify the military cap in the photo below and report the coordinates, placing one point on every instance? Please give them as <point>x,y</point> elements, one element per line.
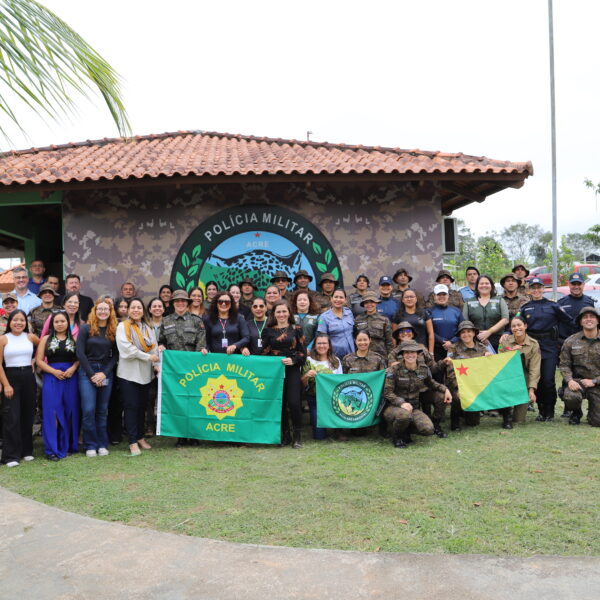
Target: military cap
<point>248,281</point>
<point>535,281</point>
<point>522,267</point>
<point>364,277</point>
<point>466,325</point>
<point>180,295</point>
<point>327,277</point>
<point>401,270</point>
<point>444,273</point>
<point>409,346</point>
<point>46,288</point>
<point>370,297</point>
<point>585,310</point>
<point>302,272</point>
<point>576,278</point>
<point>402,325</point>
<point>10,296</point>
<point>280,275</point>
<point>507,276</point>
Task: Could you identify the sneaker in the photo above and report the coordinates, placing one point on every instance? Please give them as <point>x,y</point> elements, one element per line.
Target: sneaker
<point>12,463</point>
<point>103,452</point>
<point>28,458</point>
<point>90,453</point>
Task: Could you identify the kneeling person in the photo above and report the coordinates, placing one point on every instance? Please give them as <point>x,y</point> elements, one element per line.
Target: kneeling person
<point>580,367</point>
<point>404,382</point>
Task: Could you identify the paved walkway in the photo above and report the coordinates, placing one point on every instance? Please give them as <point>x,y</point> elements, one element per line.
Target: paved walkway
<point>46,553</point>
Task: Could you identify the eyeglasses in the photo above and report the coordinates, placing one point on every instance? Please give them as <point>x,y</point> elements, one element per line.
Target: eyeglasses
<point>223,301</point>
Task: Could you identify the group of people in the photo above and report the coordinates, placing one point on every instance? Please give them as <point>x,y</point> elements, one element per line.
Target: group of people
<point>96,362</point>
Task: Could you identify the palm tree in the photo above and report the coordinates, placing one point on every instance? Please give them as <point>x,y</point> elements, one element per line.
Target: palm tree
<point>42,60</point>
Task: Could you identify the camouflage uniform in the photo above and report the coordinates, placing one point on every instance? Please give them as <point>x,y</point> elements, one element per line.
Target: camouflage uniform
<point>352,363</point>
<point>456,352</point>
<point>379,329</point>
<point>514,304</point>
<point>38,316</point>
<point>580,359</point>
<point>404,385</point>
<point>248,301</point>
<point>432,402</point>
<point>182,332</point>
<point>454,299</point>
<point>323,301</point>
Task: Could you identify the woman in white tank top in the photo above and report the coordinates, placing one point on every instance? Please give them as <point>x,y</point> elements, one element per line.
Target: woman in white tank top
<point>18,387</point>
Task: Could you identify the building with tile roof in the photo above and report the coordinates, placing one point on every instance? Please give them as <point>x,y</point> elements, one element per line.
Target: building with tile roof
<point>187,206</point>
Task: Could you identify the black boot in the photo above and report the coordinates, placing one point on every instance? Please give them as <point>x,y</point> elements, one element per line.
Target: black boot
<point>575,417</point>
<point>455,424</point>
<point>405,437</point>
<point>507,420</point>
<point>383,429</point>
<point>286,438</point>
<point>297,439</point>
<point>398,442</point>
<point>438,430</point>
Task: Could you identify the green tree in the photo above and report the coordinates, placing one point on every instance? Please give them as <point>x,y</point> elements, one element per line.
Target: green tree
<point>565,260</point>
<point>491,257</point>
<point>579,244</point>
<point>43,60</point>
<point>519,239</point>
<point>540,249</point>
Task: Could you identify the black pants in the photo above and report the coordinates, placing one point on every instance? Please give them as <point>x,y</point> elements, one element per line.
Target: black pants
<point>292,403</point>
<point>114,423</point>
<point>546,389</point>
<point>134,397</point>
<point>17,414</point>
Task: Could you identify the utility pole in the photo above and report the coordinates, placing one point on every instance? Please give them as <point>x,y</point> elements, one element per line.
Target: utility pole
<point>553,136</point>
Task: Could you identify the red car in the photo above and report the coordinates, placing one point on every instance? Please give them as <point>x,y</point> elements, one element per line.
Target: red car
<point>545,273</point>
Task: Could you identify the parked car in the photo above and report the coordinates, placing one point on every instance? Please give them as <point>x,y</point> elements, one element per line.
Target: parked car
<point>593,280</point>
<point>545,273</point>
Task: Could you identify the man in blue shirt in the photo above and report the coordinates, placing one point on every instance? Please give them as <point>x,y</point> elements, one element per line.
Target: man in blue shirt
<point>36,270</point>
<point>445,319</point>
<point>468,292</point>
<point>26,298</point>
<point>387,306</point>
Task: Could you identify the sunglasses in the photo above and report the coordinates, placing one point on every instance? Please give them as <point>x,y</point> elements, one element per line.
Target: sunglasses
<point>258,306</point>
<point>223,301</point>
<point>405,331</point>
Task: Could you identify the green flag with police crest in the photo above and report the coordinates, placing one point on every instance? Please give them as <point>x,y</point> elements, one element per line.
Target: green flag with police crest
<point>348,401</point>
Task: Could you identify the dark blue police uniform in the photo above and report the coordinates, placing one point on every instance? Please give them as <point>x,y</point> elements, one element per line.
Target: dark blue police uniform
<point>572,305</point>
<point>543,318</point>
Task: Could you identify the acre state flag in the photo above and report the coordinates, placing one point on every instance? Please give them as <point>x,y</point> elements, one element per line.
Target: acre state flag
<point>221,397</point>
<point>491,382</point>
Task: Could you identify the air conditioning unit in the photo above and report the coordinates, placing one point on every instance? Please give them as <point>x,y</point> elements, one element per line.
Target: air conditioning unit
<point>450,236</point>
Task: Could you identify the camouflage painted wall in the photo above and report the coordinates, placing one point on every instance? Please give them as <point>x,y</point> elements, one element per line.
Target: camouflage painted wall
<point>112,236</point>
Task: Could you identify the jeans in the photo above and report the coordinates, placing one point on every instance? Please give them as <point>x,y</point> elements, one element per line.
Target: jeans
<point>135,397</point>
<point>94,409</point>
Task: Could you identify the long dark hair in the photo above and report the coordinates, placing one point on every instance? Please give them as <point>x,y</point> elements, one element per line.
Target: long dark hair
<point>272,322</point>
<point>17,311</point>
<point>145,318</point>
<point>213,311</point>
<point>77,318</point>
<point>492,293</point>
<point>69,342</point>
<point>165,286</point>
<point>312,307</point>
<point>52,331</point>
<point>332,359</point>
<point>154,300</point>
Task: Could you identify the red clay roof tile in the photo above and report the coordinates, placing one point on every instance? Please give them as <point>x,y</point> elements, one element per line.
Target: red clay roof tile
<point>200,153</point>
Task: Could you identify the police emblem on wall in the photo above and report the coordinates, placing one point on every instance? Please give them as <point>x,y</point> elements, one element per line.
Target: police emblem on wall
<point>252,241</point>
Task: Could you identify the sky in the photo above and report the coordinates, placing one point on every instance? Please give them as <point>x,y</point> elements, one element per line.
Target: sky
<point>462,76</point>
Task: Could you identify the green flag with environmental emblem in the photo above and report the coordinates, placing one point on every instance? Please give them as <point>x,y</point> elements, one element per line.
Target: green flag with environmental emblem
<point>348,401</point>
<point>222,397</point>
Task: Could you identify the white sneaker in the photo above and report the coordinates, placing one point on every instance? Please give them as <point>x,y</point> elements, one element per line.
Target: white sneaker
<point>28,458</point>
<point>103,452</point>
<point>90,453</point>
<point>12,463</point>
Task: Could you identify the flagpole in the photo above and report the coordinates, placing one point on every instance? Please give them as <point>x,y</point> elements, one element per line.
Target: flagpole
<point>553,136</point>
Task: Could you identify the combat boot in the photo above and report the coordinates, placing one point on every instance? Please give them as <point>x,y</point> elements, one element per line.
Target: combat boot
<point>455,424</point>
<point>383,429</point>
<point>507,421</point>
<point>575,418</point>
<point>406,438</point>
<point>437,430</point>
<point>297,439</point>
<point>398,442</point>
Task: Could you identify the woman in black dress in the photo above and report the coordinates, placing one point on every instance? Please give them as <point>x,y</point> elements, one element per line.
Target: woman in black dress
<point>226,330</point>
<point>256,325</point>
<point>282,337</point>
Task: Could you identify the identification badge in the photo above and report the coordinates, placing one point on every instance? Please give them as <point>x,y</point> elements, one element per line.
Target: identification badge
<point>224,343</point>
<point>259,343</point>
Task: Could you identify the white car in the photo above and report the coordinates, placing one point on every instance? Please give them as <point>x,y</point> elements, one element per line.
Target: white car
<point>593,279</point>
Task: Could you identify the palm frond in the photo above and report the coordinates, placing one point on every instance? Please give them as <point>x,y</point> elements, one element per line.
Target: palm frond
<point>43,61</point>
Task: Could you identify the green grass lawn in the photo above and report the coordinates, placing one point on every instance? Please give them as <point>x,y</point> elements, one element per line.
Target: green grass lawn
<point>533,490</point>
